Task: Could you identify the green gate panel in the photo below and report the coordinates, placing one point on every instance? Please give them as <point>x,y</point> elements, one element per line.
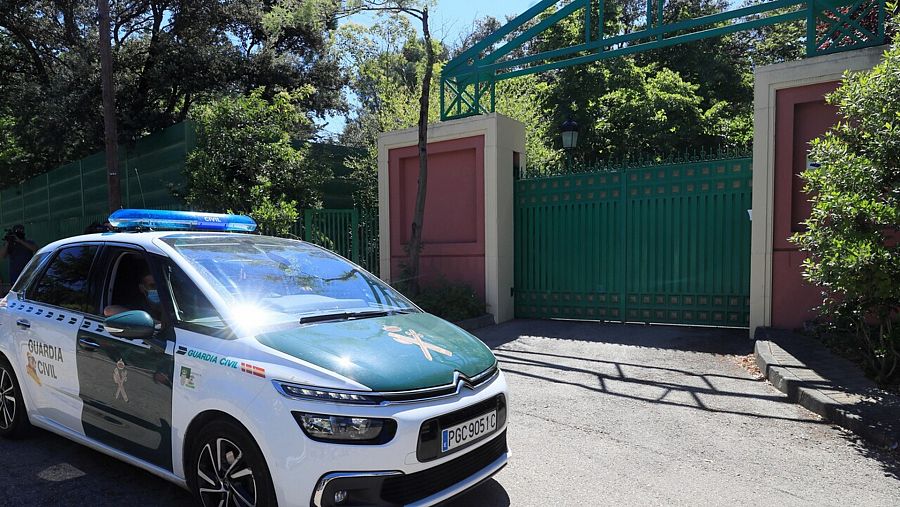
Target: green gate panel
<point>334,229</point>
<point>663,244</point>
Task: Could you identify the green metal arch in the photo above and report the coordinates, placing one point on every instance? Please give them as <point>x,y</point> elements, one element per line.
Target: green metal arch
<point>468,82</point>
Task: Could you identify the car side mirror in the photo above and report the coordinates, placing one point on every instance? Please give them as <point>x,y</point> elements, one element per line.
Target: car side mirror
<point>131,324</point>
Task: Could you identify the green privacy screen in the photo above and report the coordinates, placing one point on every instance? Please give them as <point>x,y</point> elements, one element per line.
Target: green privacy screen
<point>664,243</point>
<point>64,201</point>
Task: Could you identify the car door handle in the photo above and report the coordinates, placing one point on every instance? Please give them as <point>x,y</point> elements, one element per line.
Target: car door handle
<point>88,344</point>
<point>24,324</point>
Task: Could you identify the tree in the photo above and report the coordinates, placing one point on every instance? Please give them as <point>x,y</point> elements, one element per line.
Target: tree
<point>245,160</point>
<point>10,151</point>
<point>111,137</point>
<point>168,56</point>
<point>690,96</point>
<point>776,43</point>
<point>385,63</point>
<point>418,11</point>
<point>853,231</point>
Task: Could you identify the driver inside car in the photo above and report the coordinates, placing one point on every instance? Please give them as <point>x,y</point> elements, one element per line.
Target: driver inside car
<point>148,300</point>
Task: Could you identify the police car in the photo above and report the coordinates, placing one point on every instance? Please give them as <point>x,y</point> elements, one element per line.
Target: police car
<point>249,369</point>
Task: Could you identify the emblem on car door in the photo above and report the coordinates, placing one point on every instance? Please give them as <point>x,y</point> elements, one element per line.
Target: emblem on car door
<point>120,376</point>
<point>31,368</point>
<point>411,337</point>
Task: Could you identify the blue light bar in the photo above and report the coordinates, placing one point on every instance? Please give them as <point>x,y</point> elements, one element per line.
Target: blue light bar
<point>152,219</point>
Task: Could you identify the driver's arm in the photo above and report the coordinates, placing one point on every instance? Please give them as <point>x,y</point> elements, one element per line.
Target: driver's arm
<point>111,310</point>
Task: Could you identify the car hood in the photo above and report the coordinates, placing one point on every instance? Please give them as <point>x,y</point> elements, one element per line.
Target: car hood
<point>394,353</point>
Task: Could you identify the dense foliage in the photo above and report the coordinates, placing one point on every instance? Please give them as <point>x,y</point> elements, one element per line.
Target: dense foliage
<point>386,63</point>
<point>671,100</point>
<point>168,56</point>
<point>451,301</point>
<point>246,162</point>
<point>853,233</point>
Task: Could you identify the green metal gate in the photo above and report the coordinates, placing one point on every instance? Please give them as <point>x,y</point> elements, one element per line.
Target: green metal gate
<point>663,243</point>
<point>351,233</point>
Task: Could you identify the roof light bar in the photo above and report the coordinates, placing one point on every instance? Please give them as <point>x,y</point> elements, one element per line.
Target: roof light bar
<point>130,219</point>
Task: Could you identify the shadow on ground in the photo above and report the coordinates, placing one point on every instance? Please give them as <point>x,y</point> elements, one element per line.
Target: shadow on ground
<point>666,384</point>
<point>488,494</point>
<point>651,382</point>
<point>888,459</point>
<point>688,339</point>
<point>47,470</point>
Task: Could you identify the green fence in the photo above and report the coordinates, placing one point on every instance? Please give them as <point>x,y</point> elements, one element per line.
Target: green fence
<point>664,243</point>
<point>64,201</point>
<point>351,233</point>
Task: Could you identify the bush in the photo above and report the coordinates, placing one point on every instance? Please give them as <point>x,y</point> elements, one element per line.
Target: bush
<point>245,160</point>
<point>450,300</point>
<point>853,231</point>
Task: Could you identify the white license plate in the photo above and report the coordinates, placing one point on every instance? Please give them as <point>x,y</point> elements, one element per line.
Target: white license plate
<point>469,431</point>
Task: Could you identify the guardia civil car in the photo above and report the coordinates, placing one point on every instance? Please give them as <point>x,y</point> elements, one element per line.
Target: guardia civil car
<point>252,370</point>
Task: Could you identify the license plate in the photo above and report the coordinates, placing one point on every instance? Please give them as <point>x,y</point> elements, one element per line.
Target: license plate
<point>469,431</point>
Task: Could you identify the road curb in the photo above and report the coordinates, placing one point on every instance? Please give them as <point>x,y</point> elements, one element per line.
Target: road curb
<point>808,395</point>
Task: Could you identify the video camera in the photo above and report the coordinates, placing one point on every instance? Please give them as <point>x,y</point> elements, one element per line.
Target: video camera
<point>12,233</point>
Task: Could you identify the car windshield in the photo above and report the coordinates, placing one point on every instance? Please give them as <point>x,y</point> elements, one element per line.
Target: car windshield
<point>273,280</point>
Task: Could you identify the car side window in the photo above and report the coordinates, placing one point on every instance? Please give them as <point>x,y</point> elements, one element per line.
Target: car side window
<point>191,306</point>
<point>29,271</point>
<point>65,281</point>
<point>129,284</point>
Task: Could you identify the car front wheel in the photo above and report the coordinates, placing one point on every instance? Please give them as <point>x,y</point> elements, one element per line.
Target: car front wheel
<point>13,419</point>
<point>228,469</point>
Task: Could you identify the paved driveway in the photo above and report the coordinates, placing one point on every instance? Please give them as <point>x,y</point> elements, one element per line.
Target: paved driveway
<point>600,414</point>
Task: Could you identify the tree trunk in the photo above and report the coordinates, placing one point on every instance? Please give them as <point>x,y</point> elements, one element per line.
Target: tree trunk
<point>415,239</point>
<point>109,109</point>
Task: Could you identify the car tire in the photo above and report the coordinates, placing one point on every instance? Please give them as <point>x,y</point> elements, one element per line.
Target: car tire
<point>13,416</point>
<point>226,464</point>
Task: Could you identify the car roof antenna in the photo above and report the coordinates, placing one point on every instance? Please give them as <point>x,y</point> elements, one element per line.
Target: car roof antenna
<point>140,187</point>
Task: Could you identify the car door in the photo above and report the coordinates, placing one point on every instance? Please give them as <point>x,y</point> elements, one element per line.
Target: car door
<point>47,318</point>
<point>126,384</point>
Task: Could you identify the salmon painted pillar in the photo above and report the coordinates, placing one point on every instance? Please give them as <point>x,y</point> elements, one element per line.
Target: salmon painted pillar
<point>789,111</point>
<point>468,228</point>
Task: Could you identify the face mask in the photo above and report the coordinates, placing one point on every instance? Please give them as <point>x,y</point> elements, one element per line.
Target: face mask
<point>153,296</point>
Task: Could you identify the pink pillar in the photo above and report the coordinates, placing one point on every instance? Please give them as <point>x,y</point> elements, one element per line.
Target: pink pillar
<point>453,230</point>
<point>801,116</point>
<point>789,110</point>
<point>468,228</point>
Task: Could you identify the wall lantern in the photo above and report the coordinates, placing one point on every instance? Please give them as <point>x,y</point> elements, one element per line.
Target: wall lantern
<point>569,132</point>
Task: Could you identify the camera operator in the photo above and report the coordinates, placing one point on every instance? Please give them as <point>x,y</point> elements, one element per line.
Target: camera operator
<point>19,250</point>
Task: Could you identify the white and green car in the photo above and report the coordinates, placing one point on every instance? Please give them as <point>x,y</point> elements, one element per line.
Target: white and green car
<point>252,370</point>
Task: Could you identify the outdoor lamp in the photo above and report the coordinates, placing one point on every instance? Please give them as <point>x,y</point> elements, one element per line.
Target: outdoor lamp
<point>569,132</point>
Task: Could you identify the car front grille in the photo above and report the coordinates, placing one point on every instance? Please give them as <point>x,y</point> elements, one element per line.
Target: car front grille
<point>410,488</point>
<point>429,446</point>
<point>441,391</point>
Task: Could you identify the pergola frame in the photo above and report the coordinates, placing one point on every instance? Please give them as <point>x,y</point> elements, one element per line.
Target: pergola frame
<point>468,82</point>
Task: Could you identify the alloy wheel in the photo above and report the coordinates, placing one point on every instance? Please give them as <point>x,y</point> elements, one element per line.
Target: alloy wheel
<point>7,400</point>
<point>224,477</point>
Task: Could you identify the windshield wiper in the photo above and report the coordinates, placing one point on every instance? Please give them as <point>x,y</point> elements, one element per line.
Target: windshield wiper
<point>344,316</point>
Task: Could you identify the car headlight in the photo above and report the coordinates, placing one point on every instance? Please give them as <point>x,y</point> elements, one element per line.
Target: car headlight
<point>312,393</point>
<point>346,430</point>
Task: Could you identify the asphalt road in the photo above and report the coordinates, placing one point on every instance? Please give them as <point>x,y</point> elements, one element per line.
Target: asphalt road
<point>601,414</point>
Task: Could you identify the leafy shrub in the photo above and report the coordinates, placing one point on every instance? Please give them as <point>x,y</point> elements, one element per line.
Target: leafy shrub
<point>245,160</point>
<point>450,300</point>
<point>853,231</point>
